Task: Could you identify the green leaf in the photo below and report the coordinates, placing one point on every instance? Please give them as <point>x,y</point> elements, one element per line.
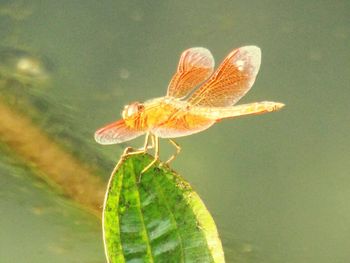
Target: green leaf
<point>159,219</point>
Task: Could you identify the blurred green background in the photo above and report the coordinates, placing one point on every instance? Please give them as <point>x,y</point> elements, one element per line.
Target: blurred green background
<point>278,185</point>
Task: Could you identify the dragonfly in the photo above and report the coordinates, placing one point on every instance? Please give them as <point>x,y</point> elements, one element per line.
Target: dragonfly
<point>197,98</point>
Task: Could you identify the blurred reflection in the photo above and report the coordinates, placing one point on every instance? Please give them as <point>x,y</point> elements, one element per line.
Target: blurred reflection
<point>24,67</point>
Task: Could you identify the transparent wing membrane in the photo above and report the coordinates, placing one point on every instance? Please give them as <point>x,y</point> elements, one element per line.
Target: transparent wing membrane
<point>183,124</point>
<point>231,81</point>
<point>195,66</point>
<point>116,132</point>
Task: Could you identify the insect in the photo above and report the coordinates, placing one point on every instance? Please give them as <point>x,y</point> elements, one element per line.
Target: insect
<point>186,109</point>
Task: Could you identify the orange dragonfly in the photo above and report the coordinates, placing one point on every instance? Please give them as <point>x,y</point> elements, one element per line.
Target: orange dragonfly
<point>180,112</point>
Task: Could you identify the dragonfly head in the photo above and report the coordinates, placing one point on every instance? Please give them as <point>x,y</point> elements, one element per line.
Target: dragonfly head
<point>132,110</point>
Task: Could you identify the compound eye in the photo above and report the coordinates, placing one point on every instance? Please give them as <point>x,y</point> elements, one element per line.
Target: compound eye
<point>132,109</point>
<point>135,108</point>
<point>140,107</point>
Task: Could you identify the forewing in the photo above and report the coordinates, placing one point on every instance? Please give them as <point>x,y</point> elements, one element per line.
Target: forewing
<point>116,132</point>
<point>231,81</point>
<point>195,66</point>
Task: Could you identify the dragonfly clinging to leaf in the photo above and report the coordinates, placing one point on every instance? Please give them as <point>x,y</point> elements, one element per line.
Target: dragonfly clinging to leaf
<point>186,110</point>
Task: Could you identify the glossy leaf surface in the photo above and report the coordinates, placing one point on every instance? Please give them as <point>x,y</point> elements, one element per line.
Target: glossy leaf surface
<point>160,219</point>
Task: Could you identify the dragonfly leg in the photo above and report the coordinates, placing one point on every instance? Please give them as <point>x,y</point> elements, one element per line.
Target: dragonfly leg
<point>130,151</point>
<point>178,149</point>
<point>145,145</point>
<point>152,142</point>
<point>156,156</point>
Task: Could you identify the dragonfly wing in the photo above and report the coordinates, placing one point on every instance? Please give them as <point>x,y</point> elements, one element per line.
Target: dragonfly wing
<point>231,81</point>
<point>116,132</point>
<point>217,113</point>
<point>182,124</point>
<point>195,66</point>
